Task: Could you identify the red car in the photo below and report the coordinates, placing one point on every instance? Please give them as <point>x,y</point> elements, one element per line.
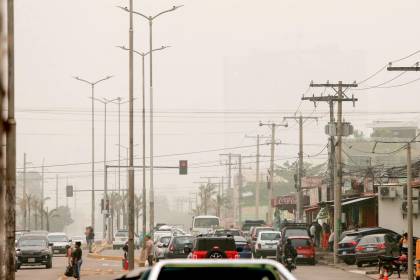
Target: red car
<point>304,247</point>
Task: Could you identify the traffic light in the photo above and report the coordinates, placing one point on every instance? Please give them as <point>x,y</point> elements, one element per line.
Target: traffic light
<point>69,191</point>
<point>183,167</point>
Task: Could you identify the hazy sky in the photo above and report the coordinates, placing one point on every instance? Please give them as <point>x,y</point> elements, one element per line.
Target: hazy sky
<point>231,64</point>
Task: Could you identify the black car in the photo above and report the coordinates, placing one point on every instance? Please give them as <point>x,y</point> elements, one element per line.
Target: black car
<point>176,247</point>
<point>249,223</point>
<point>213,247</point>
<point>288,230</point>
<point>350,239</point>
<point>33,250</point>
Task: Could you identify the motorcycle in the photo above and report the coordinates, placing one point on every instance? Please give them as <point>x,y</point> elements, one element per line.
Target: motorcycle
<point>392,264</point>
<point>290,264</point>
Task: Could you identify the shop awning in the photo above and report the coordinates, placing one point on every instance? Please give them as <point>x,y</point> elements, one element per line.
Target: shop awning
<point>357,200</point>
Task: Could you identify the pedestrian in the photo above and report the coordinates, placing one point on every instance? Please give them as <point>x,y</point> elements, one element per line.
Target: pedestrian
<point>331,242</point>
<point>404,244</point>
<point>69,252</point>
<point>318,230</point>
<point>90,237</point>
<point>149,249</point>
<point>77,260</point>
<point>326,231</point>
<point>312,231</point>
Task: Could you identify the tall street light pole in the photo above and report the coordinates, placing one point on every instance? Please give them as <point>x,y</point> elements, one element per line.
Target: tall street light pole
<point>143,55</point>
<point>106,230</point>
<point>151,19</point>
<point>92,85</point>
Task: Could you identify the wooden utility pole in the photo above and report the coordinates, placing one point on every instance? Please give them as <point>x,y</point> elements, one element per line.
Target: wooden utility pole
<point>24,195</point>
<point>10,196</point>
<point>339,97</point>
<point>299,195</point>
<point>3,93</point>
<point>56,191</point>
<point>270,191</point>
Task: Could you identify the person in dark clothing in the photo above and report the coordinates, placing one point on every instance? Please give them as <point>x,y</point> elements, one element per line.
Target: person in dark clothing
<point>90,237</point>
<point>289,251</point>
<point>318,230</point>
<point>77,259</point>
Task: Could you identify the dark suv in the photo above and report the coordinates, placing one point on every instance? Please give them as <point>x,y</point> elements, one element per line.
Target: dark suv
<point>350,239</point>
<point>33,250</point>
<point>212,247</point>
<point>289,230</point>
<point>176,246</point>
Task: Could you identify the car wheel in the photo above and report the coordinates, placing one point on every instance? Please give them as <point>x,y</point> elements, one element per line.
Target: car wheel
<point>349,261</point>
<point>359,264</point>
<point>49,264</point>
<point>312,261</point>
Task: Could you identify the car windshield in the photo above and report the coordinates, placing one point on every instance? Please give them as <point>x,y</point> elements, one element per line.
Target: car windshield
<point>183,240</point>
<point>122,234</point>
<point>296,242</point>
<point>227,244</point>
<point>258,230</point>
<point>270,236</point>
<point>296,232</point>
<point>372,239</point>
<point>206,222</point>
<point>57,238</point>
<point>32,242</point>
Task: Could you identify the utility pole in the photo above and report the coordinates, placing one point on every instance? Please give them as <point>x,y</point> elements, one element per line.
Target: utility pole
<point>131,144</point>
<point>42,194</point>
<point>10,195</point>
<point>299,194</point>
<point>331,155</point>
<point>229,164</point>
<point>409,187</point>
<point>257,177</point>
<point>270,191</point>
<point>239,192</point>
<point>339,97</point>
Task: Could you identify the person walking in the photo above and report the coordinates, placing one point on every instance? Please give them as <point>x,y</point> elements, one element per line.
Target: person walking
<point>77,260</point>
<point>90,237</point>
<point>318,230</point>
<point>149,249</point>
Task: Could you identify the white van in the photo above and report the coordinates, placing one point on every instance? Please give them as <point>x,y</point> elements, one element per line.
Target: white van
<point>204,224</point>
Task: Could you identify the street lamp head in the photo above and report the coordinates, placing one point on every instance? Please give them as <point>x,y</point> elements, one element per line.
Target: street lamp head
<point>123,8</point>
<point>177,7</point>
<point>122,47</point>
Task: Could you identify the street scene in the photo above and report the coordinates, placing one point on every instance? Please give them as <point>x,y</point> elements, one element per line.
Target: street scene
<point>198,139</point>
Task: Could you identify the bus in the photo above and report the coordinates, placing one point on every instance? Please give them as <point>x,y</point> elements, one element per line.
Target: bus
<point>204,224</point>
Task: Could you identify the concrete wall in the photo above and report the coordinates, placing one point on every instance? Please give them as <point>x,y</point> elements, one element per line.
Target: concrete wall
<point>391,217</point>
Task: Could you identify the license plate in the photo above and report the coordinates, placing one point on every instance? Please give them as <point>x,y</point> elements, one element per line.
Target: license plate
<point>370,249</point>
<point>56,251</point>
<point>344,253</point>
<point>31,260</point>
<point>300,256</point>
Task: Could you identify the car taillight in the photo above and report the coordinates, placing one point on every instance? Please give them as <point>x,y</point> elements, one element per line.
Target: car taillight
<point>380,246</point>
<point>231,254</point>
<point>360,248</point>
<point>354,243</point>
<point>199,254</point>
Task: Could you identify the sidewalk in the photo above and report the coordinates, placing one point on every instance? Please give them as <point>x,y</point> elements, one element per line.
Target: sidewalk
<point>105,252</point>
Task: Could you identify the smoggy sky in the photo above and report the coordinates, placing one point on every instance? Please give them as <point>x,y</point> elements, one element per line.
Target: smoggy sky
<point>231,64</point>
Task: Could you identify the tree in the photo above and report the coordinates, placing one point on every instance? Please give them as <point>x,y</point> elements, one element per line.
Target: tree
<point>138,206</point>
<point>60,219</point>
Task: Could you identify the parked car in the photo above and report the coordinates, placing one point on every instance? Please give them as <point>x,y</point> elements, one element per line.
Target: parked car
<point>243,247</point>
<point>209,269</point>
<point>347,246</point>
<point>59,242</point>
<point>266,244</point>
<point>158,234</point>
<point>32,250</point>
<point>371,246</point>
<point>226,232</point>
<point>212,247</point>
<point>121,237</point>
<point>161,247</point>
<point>305,248</point>
<point>290,230</point>
<point>177,245</point>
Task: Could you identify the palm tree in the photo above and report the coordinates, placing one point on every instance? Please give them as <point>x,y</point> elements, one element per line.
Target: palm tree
<point>22,203</point>
<point>35,203</point>
<point>207,192</point>
<point>49,215</point>
<point>115,209</point>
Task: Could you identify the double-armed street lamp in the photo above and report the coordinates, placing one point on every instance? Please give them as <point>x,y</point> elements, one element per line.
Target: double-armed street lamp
<point>92,85</point>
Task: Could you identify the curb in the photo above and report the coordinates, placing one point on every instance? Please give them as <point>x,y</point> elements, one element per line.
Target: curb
<point>98,256</point>
<point>362,272</point>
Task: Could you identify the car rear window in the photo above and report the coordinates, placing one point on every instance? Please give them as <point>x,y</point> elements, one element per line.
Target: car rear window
<point>297,242</point>
<point>258,230</point>
<point>270,236</point>
<point>296,232</point>
<point>165,239</point>
<point>372,239</point>
<point>349,238</point>
<point>227,244</point>
<point>183,240</point>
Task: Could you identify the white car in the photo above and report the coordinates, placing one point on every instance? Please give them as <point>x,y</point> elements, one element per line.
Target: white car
<point>158,234</point>
<point>59,242</point>
<point>121,237</point>
<point>266,244</point>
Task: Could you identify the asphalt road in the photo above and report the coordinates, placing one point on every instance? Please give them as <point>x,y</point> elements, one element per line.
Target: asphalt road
<point>322,272</point>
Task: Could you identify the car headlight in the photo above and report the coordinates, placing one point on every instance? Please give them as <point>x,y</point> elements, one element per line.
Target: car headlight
<point>18,253</point>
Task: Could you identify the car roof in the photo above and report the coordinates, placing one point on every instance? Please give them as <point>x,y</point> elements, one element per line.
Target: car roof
<point>57,233</point>
<point>374,235</point>
<point>214,237</point>
<point>33,236</point>
<point>299,237</point>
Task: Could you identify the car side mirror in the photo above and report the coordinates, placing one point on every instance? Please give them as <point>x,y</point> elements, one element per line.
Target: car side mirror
<point>50,244</point>
<point>239,249</point>
<point>187,250</point>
